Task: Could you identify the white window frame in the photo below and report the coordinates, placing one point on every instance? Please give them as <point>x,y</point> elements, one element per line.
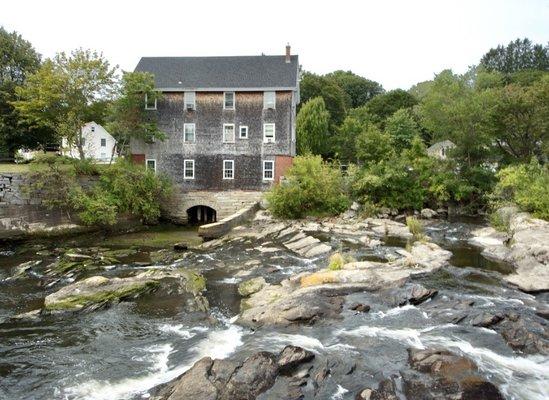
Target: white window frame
<point>266,105</point>
<point>185,169</point>
<point>147,163</point>
<point>225,101</point>
<point>234,133</point>
<point>228,169</point>
<point>92,128</point>
<point>185,132</point>
<point>273,170</point>
<point>187,101</point>
<point>245,127</point>
<point>101,142</point>
<point>274,133</point>
<point>147,103</point>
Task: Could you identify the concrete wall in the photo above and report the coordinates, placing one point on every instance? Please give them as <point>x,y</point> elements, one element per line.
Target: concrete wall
<point>225,203</point>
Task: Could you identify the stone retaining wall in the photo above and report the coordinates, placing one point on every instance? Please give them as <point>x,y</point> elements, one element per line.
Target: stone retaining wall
<point>220,228</point>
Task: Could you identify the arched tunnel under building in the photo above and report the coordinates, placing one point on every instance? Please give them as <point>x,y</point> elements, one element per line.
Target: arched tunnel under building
<point>199,215</point>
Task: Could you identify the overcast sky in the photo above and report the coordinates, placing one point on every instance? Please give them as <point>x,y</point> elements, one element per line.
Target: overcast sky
<point>397,43</point>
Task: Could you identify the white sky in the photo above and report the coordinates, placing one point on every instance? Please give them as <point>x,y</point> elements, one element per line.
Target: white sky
<point>397,43</point>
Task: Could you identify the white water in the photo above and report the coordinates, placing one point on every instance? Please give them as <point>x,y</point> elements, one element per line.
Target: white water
<point>218,344</point>
<point>181,331</point>
<point>522,377</point>
<point>338,395</point>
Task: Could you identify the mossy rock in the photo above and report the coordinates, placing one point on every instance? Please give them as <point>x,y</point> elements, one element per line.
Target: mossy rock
<point>251,286</point>
<point>114,254</point>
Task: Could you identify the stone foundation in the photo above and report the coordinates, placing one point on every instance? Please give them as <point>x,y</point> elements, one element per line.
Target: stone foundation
<point>225,203</point>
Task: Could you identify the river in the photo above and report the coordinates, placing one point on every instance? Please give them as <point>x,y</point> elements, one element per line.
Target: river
<point>125,350</point>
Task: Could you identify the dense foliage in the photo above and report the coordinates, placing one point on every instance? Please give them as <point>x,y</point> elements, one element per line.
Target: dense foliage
<point>311,187</point>
<point>114,190</point>
<point>312,127</point>
<point>518,55</point>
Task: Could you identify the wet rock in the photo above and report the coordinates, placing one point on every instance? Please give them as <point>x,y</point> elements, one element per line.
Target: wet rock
<point>385,227</point>
<point>251,286</point>
<point>24,270</point>
<point>385,391</point>
<point>486,320</point>
<point>291,357</point>
<point>427,213</point>
<point>180,246</point>
<point>416,294</point>
<point>360,307</point>
<point>446,375</point>
<point>229,380</point>
<point>529,337</point>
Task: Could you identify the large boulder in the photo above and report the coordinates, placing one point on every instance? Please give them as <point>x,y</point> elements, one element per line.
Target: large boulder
<point>231,380</point>
<point>251,286</point>
<point>427,213</point>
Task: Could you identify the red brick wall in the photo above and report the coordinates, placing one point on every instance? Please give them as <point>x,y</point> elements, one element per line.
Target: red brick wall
<point>282,163</point>
<point>138,159</point>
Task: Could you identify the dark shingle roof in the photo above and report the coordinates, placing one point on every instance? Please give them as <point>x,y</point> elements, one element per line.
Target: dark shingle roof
<point>243,72</point>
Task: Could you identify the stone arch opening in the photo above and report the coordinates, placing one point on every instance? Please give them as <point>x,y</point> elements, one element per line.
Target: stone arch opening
<point>199,215</point>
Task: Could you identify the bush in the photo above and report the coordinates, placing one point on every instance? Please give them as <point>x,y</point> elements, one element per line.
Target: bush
<point>415,227</point>
<point>312,187</point>
<point>526,185</point>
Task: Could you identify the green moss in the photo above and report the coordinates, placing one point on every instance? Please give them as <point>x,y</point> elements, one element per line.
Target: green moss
<point>102,297</point>
<point>157,237</point>
<point>337,261</point>
<point>196,283</point>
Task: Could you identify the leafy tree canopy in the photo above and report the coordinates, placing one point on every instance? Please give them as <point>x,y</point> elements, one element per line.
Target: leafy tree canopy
<point>386,104</point>
<point>358,90</point>
<point>312,127</point>
<point>518,55</point>
<point>312,85</point>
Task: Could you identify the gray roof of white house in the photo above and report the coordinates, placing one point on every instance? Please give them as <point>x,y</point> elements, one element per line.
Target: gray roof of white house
<point>215,73</point>
<point>438,145</point>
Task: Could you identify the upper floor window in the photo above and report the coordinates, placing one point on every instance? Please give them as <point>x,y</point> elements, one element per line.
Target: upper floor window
<point>243,132</point>
<point>268,170</point>
<point>150,103</point>
<point>150,163</point>
<point>269,100</point>
<point>93,128</point>
<point>228,169</point>
<point>188,169</point>
<point>268,133</point>
<point>103,142</point>
<point>228,133</point>
<point>190,100</point>
<point>189,133</point>
<point>228,100</point>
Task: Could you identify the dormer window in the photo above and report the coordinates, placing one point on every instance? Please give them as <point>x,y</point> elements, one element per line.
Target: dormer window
<point>228,100</point>
<point>190,100</point>
<point>269,100</point>
<point>150,103</point>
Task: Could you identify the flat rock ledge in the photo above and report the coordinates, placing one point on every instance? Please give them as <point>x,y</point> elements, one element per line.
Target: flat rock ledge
<point>309,296</point>
<point>231,380</point>
<point>98,291</point>
<point>526,247</point>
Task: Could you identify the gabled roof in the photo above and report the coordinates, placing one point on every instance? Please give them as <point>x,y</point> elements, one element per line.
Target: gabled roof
<point>437,146</point>
<point>218,73</point>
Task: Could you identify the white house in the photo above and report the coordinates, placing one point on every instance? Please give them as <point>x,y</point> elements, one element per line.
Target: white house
<point>98,144</point>
<point>440,149</point>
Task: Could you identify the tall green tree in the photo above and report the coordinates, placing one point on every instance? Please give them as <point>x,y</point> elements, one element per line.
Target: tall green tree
<point>312,126</point>
<point>127,115</point>
<point>402,128</point>
<point>373,145</point>
<point>345,140</point>
<point>384,105</point>
<point>67,92</point>
<point>518,55</point>
<point>312,85</point>
<point>18,59</point>
<point>358,89</point>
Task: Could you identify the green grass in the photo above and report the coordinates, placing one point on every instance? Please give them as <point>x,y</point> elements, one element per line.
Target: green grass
<point>11,168</point>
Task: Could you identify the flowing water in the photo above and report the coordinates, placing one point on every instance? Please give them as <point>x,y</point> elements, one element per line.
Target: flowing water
<point>124,351</point>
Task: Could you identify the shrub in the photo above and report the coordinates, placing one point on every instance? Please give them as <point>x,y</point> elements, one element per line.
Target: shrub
<point>337,261</point>
<point>415,227</point>
<point>526,185</point>
<point>312,187</point>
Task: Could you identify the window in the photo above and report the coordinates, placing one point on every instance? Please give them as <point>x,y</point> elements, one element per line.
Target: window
<point>150,104</point>
<point>188,169</point>
<point>190,100</point>
<point>268,170</point>
<point>103,142</point>
<point>228,169</point>
<point>93,128</point>
<point>243,132</point>
<point>268,133</point>
<point>228,101</point>
<point>189,133</point>
<point>228,133</point>
<point>150,164</point>
<point>269,100</point>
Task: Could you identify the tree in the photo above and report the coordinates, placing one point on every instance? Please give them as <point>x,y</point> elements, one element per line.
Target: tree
<point>312,127</point>
<point>402,128</point>
<point>128,117</point>
<point>518,55</point>
<point>345,140</point>
<point>386,104</point>
<point>358,89</point>
<point>312,85</point>
<point>67,92</point>
<point>373,145</point>
<point>18,59</point>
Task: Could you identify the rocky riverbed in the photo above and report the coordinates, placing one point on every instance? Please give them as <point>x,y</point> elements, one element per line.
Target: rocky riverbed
<point>260,314</point>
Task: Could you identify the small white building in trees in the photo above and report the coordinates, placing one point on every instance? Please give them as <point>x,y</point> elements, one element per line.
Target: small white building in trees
<point>440,149</point>
<point>98,144</point>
